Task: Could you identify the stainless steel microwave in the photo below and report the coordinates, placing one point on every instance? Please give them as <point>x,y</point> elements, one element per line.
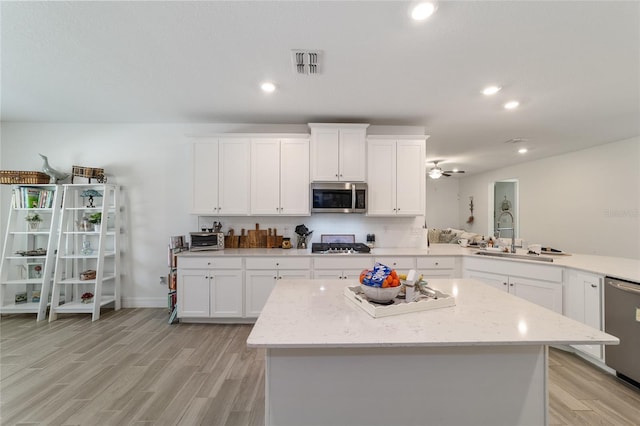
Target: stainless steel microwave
<point>207,241</point>
<point>338,197</point>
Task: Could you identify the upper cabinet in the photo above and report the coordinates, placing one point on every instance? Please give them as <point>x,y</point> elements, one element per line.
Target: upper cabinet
<point>338,152</point>
<point>396,176</point>
<point>280,176</point>
<point>221,176</point>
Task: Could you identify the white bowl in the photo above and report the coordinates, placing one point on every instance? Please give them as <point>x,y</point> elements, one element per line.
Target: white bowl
<point>379,294</point>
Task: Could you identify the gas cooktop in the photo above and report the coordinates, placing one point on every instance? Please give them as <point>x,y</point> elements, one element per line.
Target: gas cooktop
<point>339,248</point>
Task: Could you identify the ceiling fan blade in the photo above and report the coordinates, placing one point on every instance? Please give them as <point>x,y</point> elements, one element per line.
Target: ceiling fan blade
<point>445,174</point>
<point>454,171</point>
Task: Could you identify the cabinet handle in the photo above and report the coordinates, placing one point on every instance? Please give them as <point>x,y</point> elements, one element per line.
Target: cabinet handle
<point>275,278</point>
<point>279,278</point>
<point>504,283</point>
<point>437,263</point>
<point>336,175</point>
<point>208,263</point>
<point>511,284</point>
<point>593,286</point>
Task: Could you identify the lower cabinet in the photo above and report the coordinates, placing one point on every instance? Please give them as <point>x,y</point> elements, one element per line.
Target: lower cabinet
<point>341,268</point>
<point>262,274</point>
<point>539,284</point>
<point>583,302</point>
<point>437,267</point>
<point>210,288</point>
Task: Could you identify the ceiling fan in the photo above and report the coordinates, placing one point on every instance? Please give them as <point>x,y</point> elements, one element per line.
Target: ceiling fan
<point>436,171</point>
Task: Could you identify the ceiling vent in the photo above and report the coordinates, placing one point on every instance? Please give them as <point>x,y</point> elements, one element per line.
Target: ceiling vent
<point>306,62</point>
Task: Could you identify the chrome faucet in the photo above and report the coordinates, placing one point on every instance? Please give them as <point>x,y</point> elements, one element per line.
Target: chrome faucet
<point>512,229</point>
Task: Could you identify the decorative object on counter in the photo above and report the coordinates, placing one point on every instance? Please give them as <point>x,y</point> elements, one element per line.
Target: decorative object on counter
<point>243,242</point>
<point>231,240</point>
<point>90,193</point>
<point>303,234</point>
<point>54,175</point>
<point>89,173</point>
<point>257,237</point>
<point>286,243</point>
<point>33,219</point>
<point>89,274</point>
<point>87,297</point>
<point>277,239</point>
<point>371,240</point>
<point>470,220</point>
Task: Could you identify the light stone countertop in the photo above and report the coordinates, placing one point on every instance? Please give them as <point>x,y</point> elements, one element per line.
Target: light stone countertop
<point>617,267</point>
<point>315,313</point>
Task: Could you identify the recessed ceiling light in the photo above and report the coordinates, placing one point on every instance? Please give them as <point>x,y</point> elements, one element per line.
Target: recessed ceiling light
<point>511,105</point>
<point>422,11</point>
<point>491,90</point>
<point>523,150</point>
<point>268,87</point>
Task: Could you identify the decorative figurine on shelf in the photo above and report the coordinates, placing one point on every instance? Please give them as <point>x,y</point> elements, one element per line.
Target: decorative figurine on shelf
<point>90,193</point>
<point>303,234</point>
<point>54,175</point>
<point>87,297</point>
<point>86,248</point>
<point>33,219</point>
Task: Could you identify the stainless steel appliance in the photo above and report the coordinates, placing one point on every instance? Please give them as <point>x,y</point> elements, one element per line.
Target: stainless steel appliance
<point>622,319</point>
<point>339,244</point>
<point>207,241</point>
<point>338,197</point>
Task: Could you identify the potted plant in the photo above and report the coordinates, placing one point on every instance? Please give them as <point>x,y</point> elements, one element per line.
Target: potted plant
<point>33,219</point>
<point>96,219</point>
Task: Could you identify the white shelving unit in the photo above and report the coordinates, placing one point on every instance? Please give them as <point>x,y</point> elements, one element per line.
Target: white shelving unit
<point>81,249</point>
<point>30,274</point>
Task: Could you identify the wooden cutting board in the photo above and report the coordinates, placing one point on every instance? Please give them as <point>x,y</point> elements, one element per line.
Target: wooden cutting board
<point>278,238</point>
<point>231,240</point>
<point>271,239</point>
<point>257,237</point>
<point>243,240</point>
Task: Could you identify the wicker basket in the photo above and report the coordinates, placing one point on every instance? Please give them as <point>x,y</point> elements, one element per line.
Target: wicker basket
<point>12,177</point>
<point>89,173</point>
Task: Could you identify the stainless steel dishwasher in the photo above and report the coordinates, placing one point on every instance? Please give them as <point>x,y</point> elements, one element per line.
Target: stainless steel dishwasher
<point>622,319</point>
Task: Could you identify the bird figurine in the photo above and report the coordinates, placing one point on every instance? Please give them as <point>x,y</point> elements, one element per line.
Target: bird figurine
<point>54,175</point>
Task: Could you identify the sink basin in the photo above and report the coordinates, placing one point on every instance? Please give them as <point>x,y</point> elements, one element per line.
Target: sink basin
<point>515,256</point>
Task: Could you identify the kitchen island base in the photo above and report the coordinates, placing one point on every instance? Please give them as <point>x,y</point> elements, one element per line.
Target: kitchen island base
<point>453,385</point>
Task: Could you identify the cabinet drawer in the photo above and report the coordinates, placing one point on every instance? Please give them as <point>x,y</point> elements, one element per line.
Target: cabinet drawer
<point>340,263</point>
<point>278,263</point>
<point>398,262</point>
<point>436,263</point>
<point>209,262</point>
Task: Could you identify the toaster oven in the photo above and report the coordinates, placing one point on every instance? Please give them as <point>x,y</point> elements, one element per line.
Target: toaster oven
<point>201,241</point>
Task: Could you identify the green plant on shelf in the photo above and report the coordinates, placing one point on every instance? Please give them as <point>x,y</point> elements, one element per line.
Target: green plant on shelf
<point>95,218</point>
<point>33,218</point>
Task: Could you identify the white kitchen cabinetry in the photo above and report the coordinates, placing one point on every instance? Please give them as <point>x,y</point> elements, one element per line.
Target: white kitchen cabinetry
<point>583,302</point>
<point>539,284</point>
<point>221,176</point>
<point>338,152</point>
<point>261,275</point>
<point>437,267</point>
<point>396,176</point>
<point>400,264</point>
<point>209,287</point>
<point>331,267</point>
<point>280,176</point>
<point>25,281</point>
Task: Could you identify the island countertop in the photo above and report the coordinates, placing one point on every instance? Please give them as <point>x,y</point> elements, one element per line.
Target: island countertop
<point>315,313</point>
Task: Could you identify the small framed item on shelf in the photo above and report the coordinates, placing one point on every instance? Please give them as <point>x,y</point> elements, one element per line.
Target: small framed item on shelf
<point>34,270</point>
<point>35,296</point>
<point>89,274</point>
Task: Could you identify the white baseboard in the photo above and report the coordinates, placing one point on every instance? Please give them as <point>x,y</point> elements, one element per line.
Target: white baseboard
<point>144,302</point>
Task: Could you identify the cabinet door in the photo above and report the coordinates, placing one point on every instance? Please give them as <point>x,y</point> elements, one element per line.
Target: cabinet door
<point>193,293</point>
<point>410,177</point>
<point>226,294</point>
<point>324,154</point>
<point>265,177</point>
<point>545,294</point>
<point>204,166</point>
<point>294,177</point>
<point>327,274</point>
<point>258,286</point>
<point>352,160</point>
<point>234,176</point>
<point>381,178</point>
<point>500,282</point>
<point>294,275</point>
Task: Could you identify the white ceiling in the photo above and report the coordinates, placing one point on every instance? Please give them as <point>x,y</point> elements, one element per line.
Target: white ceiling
<point>574,66</point>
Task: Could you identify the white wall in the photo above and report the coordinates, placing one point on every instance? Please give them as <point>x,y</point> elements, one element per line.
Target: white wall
<point>151,163</point>
<point>443,207</point>
<point>587,201</point>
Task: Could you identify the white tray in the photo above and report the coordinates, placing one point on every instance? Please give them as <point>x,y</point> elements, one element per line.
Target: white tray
<point>399,306</point>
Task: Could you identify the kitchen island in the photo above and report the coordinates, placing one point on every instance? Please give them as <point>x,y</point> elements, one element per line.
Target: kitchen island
<point>481,362</point>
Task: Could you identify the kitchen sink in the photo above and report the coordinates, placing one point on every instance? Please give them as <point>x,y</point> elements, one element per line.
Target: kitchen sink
<point>515,256</point>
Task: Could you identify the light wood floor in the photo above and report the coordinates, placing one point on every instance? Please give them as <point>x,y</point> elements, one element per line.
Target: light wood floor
<point>132,368</point>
